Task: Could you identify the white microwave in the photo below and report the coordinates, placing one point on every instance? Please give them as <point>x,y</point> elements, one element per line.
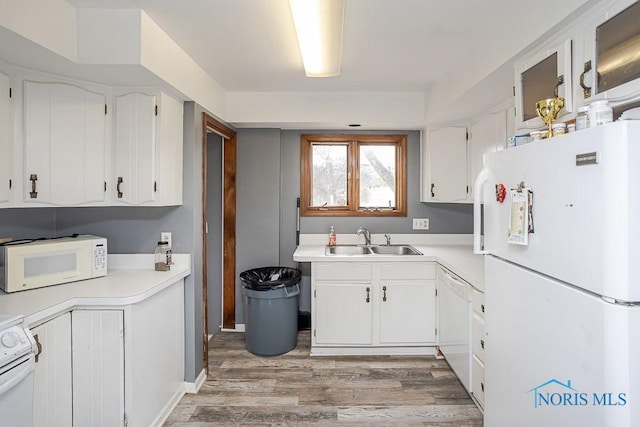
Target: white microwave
<point>34,264</point>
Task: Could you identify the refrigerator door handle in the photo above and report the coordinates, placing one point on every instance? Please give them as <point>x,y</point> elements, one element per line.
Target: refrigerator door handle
<point>478,185</point>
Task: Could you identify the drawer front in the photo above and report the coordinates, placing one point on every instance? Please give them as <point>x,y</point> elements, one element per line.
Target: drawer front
<point>477,334</point>
<point>477,387</point>
<point>478,302</point>
<point>408,271</point>
<point>344,271</point>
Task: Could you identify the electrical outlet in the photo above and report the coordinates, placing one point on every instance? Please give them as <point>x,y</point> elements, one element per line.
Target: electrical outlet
<point>420,223</point>
<point>165,236</point>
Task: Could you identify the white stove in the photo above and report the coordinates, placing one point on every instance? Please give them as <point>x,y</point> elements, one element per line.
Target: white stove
<point>17,363</point>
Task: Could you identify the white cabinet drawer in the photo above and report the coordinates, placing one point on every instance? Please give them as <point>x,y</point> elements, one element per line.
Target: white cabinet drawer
<point>408,271</point>
<point>478,302</point>
<point>477,334</point>
<point>477,386</point>
<point>344,271</point>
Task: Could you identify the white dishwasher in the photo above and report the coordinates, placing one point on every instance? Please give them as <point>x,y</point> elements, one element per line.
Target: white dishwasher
<point>17,364</point>
<point>454,323</point>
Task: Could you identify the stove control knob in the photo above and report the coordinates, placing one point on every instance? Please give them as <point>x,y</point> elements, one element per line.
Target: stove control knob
<point>10,339</point>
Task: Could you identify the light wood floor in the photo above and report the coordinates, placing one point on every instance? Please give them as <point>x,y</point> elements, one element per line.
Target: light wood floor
<point>295,389</point>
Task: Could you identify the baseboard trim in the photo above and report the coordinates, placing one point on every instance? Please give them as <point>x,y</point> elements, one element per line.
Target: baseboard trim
<point>193,388</point>
<point>168,408</point>
<point>239,328</point>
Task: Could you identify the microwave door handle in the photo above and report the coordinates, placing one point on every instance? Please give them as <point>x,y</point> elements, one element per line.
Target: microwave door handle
<point>478,185</point>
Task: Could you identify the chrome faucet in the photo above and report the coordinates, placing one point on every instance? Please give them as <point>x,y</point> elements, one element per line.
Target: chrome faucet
<point>367,235</point>
<point>388,239</point>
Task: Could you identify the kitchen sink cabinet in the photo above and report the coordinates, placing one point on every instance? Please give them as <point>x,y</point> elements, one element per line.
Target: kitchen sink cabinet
<point>64,144</point>
<point>349,326</point>
<point>52,397</point>
<point>6,140</point>
<point>147,149</point>
<point>373,308</point>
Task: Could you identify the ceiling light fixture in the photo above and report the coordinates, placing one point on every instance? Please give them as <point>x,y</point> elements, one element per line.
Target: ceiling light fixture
<point>319,29</point>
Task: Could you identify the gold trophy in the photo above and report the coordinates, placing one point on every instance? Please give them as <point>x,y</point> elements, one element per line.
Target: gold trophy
<point>548,110</point>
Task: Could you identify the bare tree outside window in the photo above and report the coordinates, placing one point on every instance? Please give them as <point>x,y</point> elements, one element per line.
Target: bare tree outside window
<point>329,175</point>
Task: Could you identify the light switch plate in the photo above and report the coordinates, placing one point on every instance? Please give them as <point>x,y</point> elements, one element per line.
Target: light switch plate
<point>420,223</point>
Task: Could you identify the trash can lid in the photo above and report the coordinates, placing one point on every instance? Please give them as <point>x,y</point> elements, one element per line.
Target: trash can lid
<point>265,278</point>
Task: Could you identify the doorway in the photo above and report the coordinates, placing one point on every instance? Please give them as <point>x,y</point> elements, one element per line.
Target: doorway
<point>227,138</point>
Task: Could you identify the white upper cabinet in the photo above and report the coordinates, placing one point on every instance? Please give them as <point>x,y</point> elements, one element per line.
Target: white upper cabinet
<point>64,144</point>
<point>6,139</point>
<point>135,148</point>
<point>610,66</point>
<point>487,135</point>
<point>445,178</point>
<point>545,73</point>
<point>147,149</point>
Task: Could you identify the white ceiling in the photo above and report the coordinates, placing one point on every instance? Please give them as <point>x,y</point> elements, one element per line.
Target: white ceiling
<point>389,45</point>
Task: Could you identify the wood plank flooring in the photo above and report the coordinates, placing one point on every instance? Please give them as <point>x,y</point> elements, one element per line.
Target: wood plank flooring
<point>295,389</point>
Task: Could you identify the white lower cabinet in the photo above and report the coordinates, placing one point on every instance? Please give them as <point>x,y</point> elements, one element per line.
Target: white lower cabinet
<point>380,307</point>
<point>112,367</point>
<point>98,367</point>
<point>52,398</point>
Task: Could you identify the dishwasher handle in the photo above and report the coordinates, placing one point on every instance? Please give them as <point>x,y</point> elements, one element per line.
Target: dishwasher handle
<point>457,285</point>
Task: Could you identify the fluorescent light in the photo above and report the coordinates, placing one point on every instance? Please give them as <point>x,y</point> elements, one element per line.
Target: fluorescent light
<point>319,28</point>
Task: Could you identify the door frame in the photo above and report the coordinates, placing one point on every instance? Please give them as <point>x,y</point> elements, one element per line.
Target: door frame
<point>229,141</point>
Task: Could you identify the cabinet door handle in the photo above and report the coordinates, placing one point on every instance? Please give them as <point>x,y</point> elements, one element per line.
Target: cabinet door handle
<point>482,307</point>
<point>120,180</point>
<point>39,345</point>
<point>384,293</point>
<point>368,291</point>
<point>586,90</point>
<point>33,193</point>
<point>482,343</point>
<point>482,387</point>
<point>432,187</point>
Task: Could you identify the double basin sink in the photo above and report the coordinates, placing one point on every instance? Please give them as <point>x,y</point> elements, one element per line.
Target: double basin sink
<point>371,250</point>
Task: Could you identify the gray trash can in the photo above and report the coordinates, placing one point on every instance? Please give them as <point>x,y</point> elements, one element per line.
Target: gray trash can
<point>271,309</point>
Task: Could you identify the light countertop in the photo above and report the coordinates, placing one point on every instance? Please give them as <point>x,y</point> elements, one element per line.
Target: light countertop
<point>459,258</point>
<point>128,281</point>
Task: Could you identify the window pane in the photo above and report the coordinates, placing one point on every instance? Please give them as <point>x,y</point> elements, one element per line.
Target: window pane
<point>377,176</point>
<point>329,180</point>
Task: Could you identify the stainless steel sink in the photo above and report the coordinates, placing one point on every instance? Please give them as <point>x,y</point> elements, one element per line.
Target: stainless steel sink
<point>395,250</point>
<point>347,250</point>
<point>371,250</point>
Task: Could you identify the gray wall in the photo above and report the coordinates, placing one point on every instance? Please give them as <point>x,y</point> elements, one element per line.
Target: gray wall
<point>258,204</point>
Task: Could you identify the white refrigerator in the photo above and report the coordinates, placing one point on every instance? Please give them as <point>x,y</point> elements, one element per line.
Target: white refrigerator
<point>561,222</point>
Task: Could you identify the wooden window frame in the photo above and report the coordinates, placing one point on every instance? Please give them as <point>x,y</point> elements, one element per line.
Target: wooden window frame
<point>353,141</point>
